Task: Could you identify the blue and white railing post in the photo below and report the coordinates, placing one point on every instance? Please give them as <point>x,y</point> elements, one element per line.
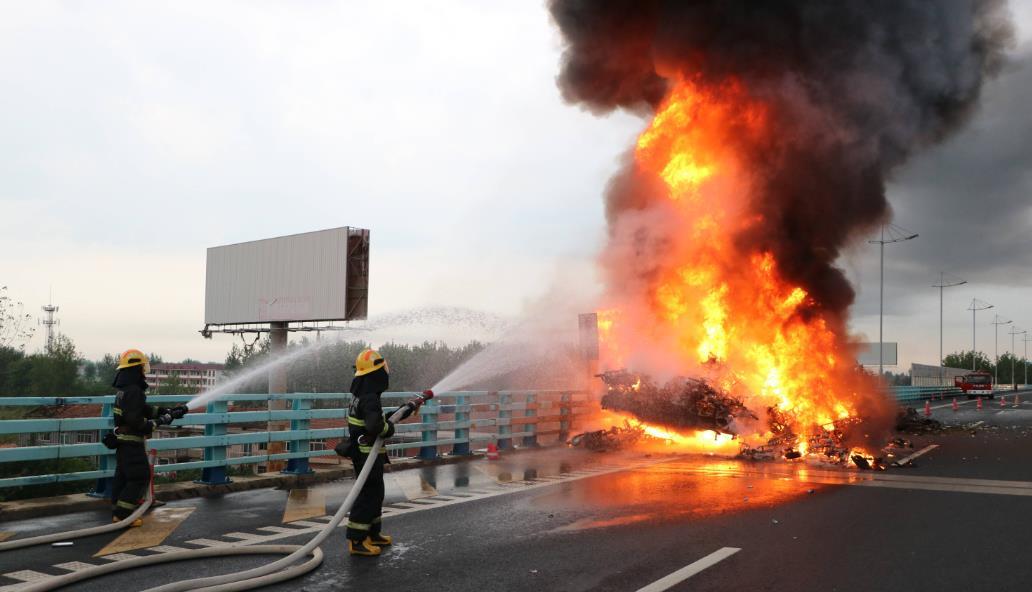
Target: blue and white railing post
<point>105,462</point>
<point>461,433</point>
<point>530,426</point>
<point>215,475</point>
<point>504,419</point>
<point>299,466</point>
<point>428,417</point>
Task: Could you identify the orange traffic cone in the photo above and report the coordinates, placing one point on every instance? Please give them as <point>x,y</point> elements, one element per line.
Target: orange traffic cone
<point>1003,401</point>
<point>492,452</point>
<point>955,407</point>
<point>928,409</point>
<point>979,404</point>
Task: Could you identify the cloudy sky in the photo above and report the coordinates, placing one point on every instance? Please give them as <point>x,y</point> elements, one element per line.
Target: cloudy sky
<point>136,135</point>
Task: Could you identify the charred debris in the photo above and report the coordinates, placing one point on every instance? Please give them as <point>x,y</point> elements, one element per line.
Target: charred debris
<point>694,404</point>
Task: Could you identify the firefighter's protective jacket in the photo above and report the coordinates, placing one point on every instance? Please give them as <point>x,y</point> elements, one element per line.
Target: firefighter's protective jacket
<point>133,416</point>
<point>366,419</point>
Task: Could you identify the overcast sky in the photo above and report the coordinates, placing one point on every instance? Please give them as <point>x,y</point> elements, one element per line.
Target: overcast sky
<point>136,135</point>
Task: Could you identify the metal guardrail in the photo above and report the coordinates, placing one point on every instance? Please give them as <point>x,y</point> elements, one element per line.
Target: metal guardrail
<point>526,412</point>
<point>907,394</point>
<point>523,411</point>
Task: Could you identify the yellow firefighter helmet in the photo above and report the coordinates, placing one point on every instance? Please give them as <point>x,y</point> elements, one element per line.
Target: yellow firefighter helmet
<point>368,361</point>
<point>133,357</point>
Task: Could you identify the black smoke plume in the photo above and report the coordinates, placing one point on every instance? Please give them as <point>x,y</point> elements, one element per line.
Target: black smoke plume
<point>854,88</point>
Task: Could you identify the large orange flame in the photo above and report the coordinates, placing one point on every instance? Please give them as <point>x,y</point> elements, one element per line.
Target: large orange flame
<point>719,308</point>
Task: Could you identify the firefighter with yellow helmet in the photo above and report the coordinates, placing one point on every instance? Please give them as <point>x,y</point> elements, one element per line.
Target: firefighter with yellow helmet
<point>134,423</point>
<point>366,422</point>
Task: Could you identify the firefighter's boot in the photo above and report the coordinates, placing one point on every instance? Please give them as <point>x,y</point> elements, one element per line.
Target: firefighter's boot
<point>364,547</point>
<point>380,539</point>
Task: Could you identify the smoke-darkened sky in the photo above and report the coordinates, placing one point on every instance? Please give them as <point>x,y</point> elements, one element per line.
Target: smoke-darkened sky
<point>971,201</point>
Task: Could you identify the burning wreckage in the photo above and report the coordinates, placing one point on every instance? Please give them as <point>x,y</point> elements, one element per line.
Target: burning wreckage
<point>694,404</point>
<point>679,404</point>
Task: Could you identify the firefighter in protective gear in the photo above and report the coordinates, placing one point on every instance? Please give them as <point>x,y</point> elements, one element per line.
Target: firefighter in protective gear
<point>366,422</point>
<point>134,423</point>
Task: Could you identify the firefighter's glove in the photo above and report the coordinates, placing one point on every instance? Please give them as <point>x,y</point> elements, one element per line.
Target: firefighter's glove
<point>178,411</point>
<point>110,441</point>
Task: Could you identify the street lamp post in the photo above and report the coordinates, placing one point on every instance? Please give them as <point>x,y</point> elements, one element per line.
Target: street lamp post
<point>976,305</point>
<point>1024,360</point>
<point>997,321</point>
<point>896,235</point>
<point>941,285</point>
<point>1014,377</point>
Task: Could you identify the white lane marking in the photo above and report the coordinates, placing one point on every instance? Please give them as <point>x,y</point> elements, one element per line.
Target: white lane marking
<point>119,556</point>
<point>166,549</point>
<point>407,506</point>
<point>975,425</point>
<point>943,487</point>
<point>305,523</point>
<point>872,479</point>
<point>206,543</point>
<point>667,582</point>
<point>75,565</point>
<point>243,536</point>
<point>310,528</point>
<point>917,454</point>
<point>951,404</point>
<point>27,575</point>
<point>281,530</point>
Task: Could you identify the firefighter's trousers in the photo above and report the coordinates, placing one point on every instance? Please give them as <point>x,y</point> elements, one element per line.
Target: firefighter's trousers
<point>364,519</point>
<point>132,478</point>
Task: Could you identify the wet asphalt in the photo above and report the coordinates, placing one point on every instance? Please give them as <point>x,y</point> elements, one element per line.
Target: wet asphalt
<point>626,529</point>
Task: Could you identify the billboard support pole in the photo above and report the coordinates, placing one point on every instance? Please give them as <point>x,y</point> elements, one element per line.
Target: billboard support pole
<point>277,386</point>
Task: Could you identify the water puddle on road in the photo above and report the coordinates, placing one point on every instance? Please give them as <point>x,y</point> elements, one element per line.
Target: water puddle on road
<point>671,491</point>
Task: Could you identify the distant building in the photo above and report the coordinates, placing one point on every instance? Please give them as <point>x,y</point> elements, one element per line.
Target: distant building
<point>191,377</point>
<point>927,375</point>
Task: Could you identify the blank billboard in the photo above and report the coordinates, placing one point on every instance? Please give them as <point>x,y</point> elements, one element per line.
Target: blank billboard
<point>587,325</point>
<point>868,354</point>
<point>315,276</point>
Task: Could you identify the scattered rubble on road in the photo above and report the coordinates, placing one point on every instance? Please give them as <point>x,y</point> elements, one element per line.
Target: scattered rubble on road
<point>615,438</point>
<point>910,421</point>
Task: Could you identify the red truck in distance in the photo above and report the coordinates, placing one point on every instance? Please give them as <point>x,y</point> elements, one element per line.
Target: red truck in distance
<point>975,384</point>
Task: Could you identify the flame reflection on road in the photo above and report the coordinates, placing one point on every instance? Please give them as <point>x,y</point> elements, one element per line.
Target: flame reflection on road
<point>677,490</point>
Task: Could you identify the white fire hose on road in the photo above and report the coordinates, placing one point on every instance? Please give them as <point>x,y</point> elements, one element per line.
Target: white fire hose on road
<point>280,570</point>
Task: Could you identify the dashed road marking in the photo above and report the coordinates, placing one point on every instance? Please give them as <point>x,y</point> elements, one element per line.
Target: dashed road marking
<point>310,527</point>
<point>969,401</point>
<point>243,536</point>
<point>306,523</point>
<point>874,479</point>
<point>27,575</point>
<point>206,543</point>
<point>280,529</point>
<point>917,454</point>
<point>166,549</point>
<point>75,565</point>
<point>120,556</point>
<point>667,582</point>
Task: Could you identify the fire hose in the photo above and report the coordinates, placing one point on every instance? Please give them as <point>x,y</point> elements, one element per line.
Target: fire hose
<point>280,570</point>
